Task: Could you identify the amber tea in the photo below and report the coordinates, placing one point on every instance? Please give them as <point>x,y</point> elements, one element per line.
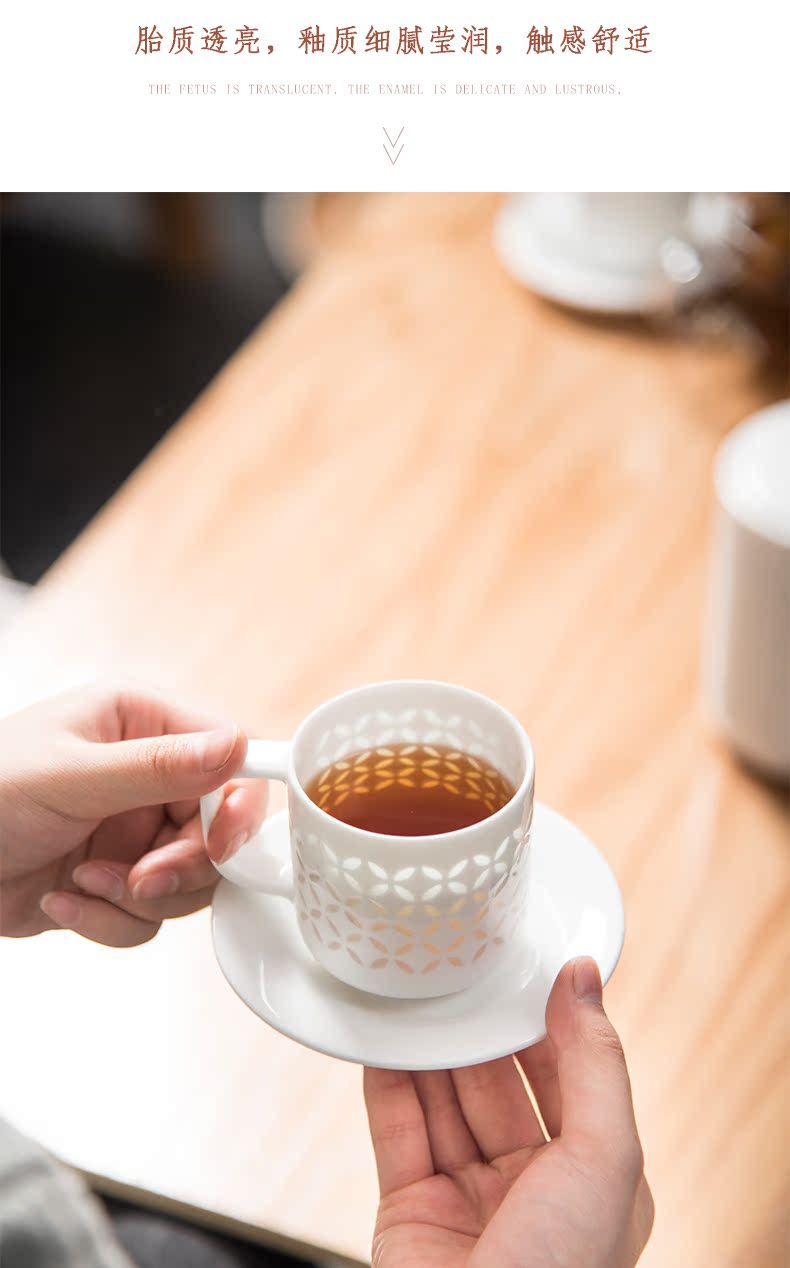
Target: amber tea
<point>410,789</point>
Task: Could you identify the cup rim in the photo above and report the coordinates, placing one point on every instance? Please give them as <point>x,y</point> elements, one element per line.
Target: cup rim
<point>739,489</point>
<point>525,789</point>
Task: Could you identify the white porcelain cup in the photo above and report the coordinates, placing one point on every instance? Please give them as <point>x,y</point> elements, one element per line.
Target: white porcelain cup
<point>623,232</point>
<point>746,662</point>
<point>678,235</point>
<point>402,916</point>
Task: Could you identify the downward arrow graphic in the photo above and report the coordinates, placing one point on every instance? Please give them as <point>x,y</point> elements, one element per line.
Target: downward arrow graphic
<point>391,146</point>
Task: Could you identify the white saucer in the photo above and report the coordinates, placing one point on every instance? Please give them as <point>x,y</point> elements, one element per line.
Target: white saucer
<point>574,908</point>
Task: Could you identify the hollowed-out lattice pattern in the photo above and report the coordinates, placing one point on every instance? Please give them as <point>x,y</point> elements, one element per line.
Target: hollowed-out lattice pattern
<point>415,918</point>
<point>399,916</point>
<point>419,725</point>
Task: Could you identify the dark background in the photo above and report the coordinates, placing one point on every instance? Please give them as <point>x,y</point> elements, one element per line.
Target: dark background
<point>117,309</point>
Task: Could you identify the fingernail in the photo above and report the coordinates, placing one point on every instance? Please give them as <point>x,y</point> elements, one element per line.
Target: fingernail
<point>160,885</point>
<point>99,881</point>
<point>214,748</point>
<point>233,845</point>
<point>62,908</point>
<point>587,980</point>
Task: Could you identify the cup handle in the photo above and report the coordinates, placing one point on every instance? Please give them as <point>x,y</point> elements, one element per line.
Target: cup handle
<point>254,866</point>
<point>712,247</point>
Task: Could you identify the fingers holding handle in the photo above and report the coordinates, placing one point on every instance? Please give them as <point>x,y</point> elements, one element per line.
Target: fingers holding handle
<point>251,864</point>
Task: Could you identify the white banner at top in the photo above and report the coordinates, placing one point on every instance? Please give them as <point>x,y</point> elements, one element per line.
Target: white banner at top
<point>400,94</point>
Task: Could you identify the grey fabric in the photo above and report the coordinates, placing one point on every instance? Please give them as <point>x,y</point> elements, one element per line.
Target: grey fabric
<point>156,1240</point>
<point>48,1218</point>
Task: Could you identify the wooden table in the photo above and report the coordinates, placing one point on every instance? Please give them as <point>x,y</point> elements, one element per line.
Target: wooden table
<point>416,469</point>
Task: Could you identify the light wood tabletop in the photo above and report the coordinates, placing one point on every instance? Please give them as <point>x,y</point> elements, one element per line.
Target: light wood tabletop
<point>414,468</point>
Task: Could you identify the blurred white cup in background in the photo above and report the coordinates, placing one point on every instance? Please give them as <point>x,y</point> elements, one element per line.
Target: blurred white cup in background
<point>625,253</point>
<point>613,231</point>
<point>746,661</point>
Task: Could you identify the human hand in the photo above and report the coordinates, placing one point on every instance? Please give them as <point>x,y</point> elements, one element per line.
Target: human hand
<point>99,813</point>
<point>467,1177</point>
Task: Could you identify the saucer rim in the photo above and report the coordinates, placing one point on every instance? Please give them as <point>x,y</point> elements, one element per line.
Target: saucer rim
<point>614,946</point>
